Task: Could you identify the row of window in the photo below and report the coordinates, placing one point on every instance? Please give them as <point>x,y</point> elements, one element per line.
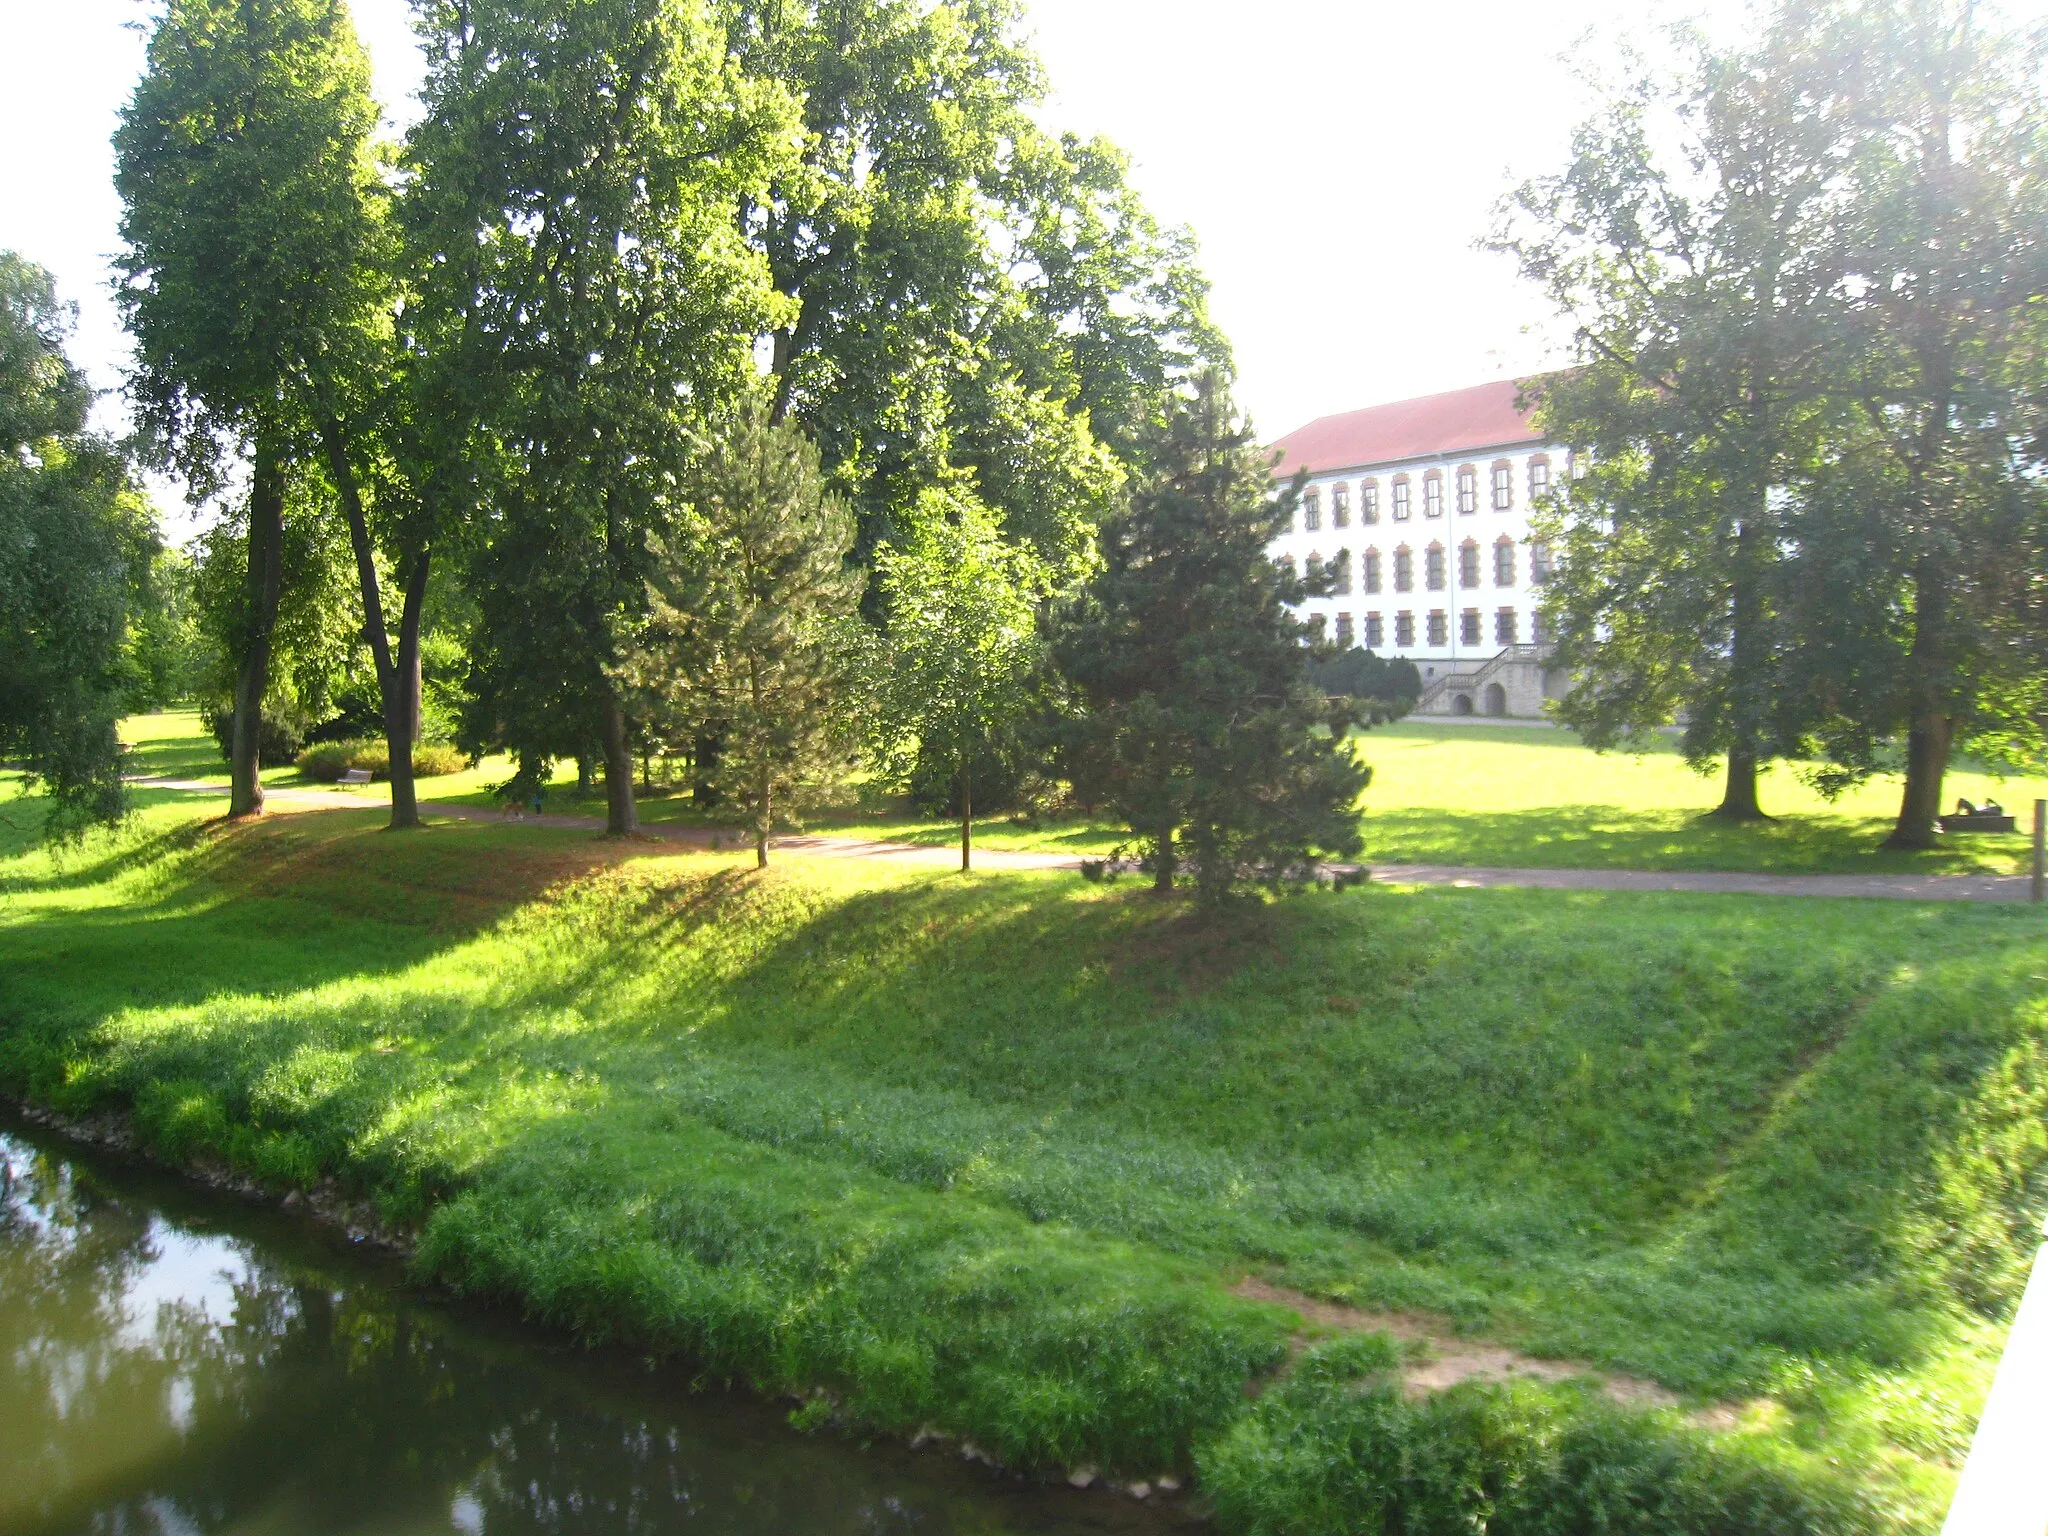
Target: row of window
<point>1434,572</point>
<point>1506,628</point>
<point>1402,488</point>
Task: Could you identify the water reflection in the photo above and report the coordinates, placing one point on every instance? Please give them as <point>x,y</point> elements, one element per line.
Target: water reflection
<point>179,1365</point>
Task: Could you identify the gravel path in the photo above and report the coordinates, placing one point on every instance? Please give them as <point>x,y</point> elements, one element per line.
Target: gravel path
<point>1887,887</point>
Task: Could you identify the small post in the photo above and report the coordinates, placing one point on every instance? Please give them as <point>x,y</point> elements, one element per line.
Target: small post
<point>2041,850</point>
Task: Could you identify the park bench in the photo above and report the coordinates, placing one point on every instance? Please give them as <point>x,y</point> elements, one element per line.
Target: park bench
<point>1989,817</point>
<point>355,776</point>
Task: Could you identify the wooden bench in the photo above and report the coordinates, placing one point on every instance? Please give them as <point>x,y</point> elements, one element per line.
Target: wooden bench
<point>355,776</point>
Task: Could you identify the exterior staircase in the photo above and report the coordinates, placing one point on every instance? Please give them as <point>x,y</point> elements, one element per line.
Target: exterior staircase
<point>1508,666</point>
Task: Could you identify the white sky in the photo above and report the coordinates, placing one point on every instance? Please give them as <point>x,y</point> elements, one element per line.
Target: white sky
<point>1337,161</point>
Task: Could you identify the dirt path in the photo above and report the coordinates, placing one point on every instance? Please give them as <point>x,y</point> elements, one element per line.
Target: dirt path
<point>818,845</point>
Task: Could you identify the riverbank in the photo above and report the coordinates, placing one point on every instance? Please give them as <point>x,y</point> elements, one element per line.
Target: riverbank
<point>996,1157</point>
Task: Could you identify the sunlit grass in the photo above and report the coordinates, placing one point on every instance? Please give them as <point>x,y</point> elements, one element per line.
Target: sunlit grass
<point>986,1152</point>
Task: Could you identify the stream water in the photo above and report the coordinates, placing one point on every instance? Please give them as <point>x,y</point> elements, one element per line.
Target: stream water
<point>173,1361</point>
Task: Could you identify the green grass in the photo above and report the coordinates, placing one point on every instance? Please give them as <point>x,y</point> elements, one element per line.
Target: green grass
<point>1497,796</point>
<point>988,1152</point>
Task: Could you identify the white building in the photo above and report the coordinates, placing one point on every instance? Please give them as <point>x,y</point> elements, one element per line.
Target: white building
<point>1423,508</point>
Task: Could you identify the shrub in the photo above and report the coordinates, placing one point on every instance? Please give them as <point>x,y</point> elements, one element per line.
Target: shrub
<point>279,742</point>
<point>328,761</point>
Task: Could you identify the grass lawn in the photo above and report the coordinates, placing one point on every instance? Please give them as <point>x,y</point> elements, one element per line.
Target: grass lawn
<point>993,1153</point>
<point>1441,794</point>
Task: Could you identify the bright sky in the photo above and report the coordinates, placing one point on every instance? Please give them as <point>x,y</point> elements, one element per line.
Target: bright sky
<point>1336,158</point>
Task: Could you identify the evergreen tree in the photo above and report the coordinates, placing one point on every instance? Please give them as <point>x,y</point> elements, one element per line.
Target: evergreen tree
<point>752,636</point>
<point>1203,730</point>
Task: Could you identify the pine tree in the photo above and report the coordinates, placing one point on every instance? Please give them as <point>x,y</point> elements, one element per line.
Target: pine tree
<point>1203,730</point>
<point>753,636</point>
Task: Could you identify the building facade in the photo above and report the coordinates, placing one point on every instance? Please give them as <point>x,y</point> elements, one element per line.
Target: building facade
<point>1422,508</point>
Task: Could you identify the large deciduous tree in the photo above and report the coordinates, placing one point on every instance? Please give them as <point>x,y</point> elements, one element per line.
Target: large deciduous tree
<point>752,635</point>
<point>961,644</point>
<point>1203,729</point>
<point>1694,244</point>
<point>1923,566</point>
<point>581,160</point>
<point>72,536</point>
<point>256,289</point>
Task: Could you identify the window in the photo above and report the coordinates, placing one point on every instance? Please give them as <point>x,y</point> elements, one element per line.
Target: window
<point>1468,563</point>
<point>1340,506</point>
<point>1344,630</point>
<point>1504,563</point>
<point>1503,486</point>
<point>1312,569</point>
<point>1311,512</point>
<point>1287,566</point>
<point>1468,488</point>
<point>1404,629</point>
<point>1504,627</point>
<point>1536,635</point>
<point>1539,476</point>
<point>1539,563</point>
<point>1317,623</point>
<point>1372,570</point>
<point>1439,627</point>
<point>1433,494</point>
<point>1433,567</point>
<point>1369,501</point>
<point>1401,502</point>
<point>1468,627</point>
<point>1375,631</point>
<point>1404,570</point>
<point>1341,569</point>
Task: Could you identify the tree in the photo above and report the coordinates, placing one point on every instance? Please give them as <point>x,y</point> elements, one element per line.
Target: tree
<point>615,307</point>
<point>255,284</point>
<point>1693,244</point>
<point>1203,729</point>
<point>72,534</point>
<point>1924,540</point>
<point>752,635</point>
<point>961,644</point>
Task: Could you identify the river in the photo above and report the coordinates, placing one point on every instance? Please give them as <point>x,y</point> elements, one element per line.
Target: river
<point>176,1361</point>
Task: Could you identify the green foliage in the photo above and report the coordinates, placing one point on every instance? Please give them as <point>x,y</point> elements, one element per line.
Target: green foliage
<point>74,541</point>
<point>1381,689</point>
<point>961,647</point>
<point>752,637</point>
<point>329,760</point>
<point>1336,1450</point>
<point>1203,726</point>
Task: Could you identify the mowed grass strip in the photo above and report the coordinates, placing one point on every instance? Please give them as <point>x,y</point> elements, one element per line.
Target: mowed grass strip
<point>989,1152</point>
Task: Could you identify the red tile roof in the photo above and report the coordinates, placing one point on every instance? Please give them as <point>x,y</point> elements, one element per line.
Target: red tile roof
<point>1457,421</point>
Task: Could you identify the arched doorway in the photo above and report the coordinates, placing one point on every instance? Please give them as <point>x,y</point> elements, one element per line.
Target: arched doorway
<point>1461,703</point>
<point>1496,699</point>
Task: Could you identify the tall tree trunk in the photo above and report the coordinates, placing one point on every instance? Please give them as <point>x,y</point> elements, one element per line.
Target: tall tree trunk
<point>621,818</point>
<point>265,581</point>
<point>966,821</point>
<point>1747,684</point>
<point>764,819</point>
<point>402,706</point>
<point>1930,729</point>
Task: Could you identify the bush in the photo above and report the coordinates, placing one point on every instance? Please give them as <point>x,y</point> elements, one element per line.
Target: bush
<point>1336,1449</point>
<point>280,741</point>
<point>328,761</point>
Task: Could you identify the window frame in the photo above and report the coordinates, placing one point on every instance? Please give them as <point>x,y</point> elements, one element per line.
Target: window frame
<point>1468,489</point>
<point>1436,573</point>
<point>1369,501</point>
<point>1404,499</point>
<point>1433,494</point>
<point>1503,561</point>
<point>1503,482</point>
<point>1404,569</point>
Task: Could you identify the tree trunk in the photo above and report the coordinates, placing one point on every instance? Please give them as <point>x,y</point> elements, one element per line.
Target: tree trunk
<point>966,822</point>
<point>1738,795</point>
<point>1163,864</point>
<point>621,818</point>
<point>1930,728</point>
<point>1927,745</point>
<point>265,580</point>
<point>763,820</point>
<point>402,704</point>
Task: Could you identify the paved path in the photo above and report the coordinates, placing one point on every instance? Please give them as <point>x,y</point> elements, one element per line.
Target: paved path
<point>944,856</point>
